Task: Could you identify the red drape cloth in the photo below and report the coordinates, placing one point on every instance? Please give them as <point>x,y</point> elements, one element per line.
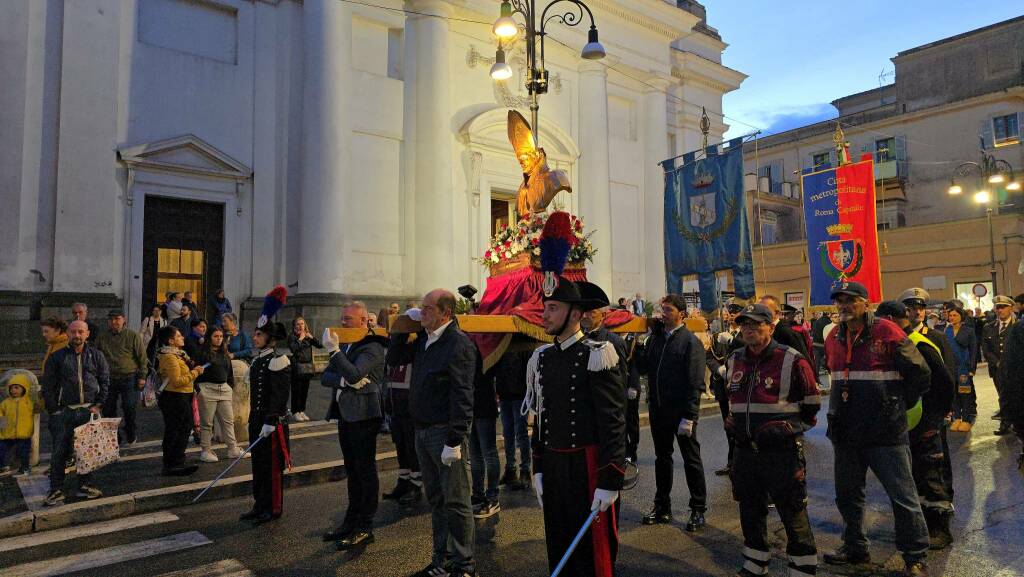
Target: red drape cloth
<point>519,293</point>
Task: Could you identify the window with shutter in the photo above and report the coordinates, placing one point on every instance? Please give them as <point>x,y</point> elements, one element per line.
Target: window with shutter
<point>885,149</point>
<point>1005,130</point>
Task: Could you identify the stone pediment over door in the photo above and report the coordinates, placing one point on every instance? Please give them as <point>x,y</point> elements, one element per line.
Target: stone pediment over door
<point>187,154</point>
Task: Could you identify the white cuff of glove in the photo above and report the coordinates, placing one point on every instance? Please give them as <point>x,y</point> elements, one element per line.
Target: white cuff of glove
<point>685,428</point>
<point>721,371</point>
<point>538,488</point>
<point>450,454</point>
<point>267,430</point>
<point>632,394</point>
<point>603,499</point>
<point>328,341</point>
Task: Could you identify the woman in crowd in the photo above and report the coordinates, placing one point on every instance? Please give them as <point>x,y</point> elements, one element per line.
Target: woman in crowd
<point>196,339</point>
<point>239,343</point>
<point>215,392</point>
<point>223,306</point>
<point>301,344</point>
<point>151,325</point>
<point>962,339</point>
<point>177,376</point>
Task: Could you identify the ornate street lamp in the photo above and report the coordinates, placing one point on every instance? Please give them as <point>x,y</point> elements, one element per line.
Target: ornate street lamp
<point>990,171</point>
<point>533,30</point>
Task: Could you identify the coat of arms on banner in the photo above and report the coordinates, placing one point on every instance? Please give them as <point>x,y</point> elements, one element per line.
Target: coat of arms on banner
<point>841,258</point>
<point>703,212</point>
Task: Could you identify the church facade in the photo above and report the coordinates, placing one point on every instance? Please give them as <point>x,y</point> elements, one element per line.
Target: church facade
<point>341,149</point>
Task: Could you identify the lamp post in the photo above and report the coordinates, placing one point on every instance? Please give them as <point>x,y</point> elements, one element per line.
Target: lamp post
<point>990,171</point>
<point>534,30</point>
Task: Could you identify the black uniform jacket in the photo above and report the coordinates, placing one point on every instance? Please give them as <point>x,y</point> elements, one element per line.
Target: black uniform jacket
<point>939,399</point>
<point>993,343</point>
<point>270,380</point>
<point>582,402</point>
<point>441,389</point>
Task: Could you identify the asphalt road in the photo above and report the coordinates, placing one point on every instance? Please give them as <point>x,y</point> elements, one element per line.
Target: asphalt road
<point>989,527</point>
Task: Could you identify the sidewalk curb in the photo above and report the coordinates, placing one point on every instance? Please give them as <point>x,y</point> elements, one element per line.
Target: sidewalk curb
<point>106,508</point>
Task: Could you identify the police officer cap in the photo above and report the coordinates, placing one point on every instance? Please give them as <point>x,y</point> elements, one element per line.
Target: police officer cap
<point>789,309</point>
<point>733,305</point>
<point>852,288</point>
<point>894,309</point>
<point>1002,300</point>
<point>583,295</point>
<point>915,297</point>
<point>756,312</point>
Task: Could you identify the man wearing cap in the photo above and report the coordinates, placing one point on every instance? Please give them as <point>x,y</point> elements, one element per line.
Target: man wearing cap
<point>773,399</point>
<point>877,374</point>
<point>674,362</point>
<point>126,357</point>
<point>723,343</point>
<point>269,391</point>
<point>926,447</point>
<point>993,342</point>
<point>784,333</point>
<point>575,388</point>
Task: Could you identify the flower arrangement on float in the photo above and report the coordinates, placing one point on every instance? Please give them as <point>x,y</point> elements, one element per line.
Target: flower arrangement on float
<point>520,243</point>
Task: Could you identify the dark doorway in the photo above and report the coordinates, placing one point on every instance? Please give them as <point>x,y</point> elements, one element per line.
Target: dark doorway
<point>182,250</point>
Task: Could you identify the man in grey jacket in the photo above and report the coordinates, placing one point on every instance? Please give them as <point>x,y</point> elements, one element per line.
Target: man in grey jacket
<point>441,403</point>
<point>355,374</point>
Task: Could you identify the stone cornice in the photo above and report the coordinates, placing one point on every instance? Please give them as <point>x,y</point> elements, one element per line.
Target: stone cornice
<point>655,15</point>
<point>694,69</point>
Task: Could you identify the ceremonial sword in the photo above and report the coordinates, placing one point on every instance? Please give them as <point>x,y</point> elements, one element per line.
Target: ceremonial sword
<point>575,542</point>
<point>225,472</point>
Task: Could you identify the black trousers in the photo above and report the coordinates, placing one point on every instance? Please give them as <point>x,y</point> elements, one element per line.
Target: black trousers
<point>300,391</point>
<point>664,429</point>
<point>722,396</point>
<point>778,474</point>
<point>927,465</point>
<point>268,463</point>
<point>177,411</point>
<point>125,389</point>
<point>569,482</point>
<point>359,449</point>
<point>403,433</point>
<point>632,428</point>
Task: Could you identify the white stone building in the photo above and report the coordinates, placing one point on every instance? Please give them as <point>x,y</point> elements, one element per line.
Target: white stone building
<point>341,149</point>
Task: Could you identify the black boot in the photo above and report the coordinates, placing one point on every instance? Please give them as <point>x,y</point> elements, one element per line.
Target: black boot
<point>508,478</point>
<point>659,515</point>
<point>939,534</point>
<point>414,494</point>
<point>525,480</point>
<point>846,556</point>
<point>401,488</point>
<point>696,521</point>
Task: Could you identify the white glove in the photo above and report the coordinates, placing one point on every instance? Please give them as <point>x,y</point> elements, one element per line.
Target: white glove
<point>538,487</point>
<point>685,428</point>
<point>724,338</point>
<point>632,394</point>
<point>329,342</point>
<point>414,314</point>
<point>603,499</point>
<point>267,430</point>
<point>721,371</point>
<point>360,384</point>
<point>450,454</point>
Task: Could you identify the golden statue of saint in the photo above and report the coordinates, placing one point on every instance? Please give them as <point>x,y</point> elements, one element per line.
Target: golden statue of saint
<point>540,183</point>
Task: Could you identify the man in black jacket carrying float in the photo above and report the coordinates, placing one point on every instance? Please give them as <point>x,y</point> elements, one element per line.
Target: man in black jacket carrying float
<point>575,389</point>
<point>441,404</point>
<point>674,362</point>
<point>355,374</point>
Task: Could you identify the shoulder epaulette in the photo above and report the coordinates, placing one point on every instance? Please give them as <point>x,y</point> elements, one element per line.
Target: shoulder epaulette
<point>602,355</point>
<point>279,363</point>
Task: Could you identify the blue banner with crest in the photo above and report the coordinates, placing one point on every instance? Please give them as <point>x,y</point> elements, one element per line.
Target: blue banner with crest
<point>706,222</point>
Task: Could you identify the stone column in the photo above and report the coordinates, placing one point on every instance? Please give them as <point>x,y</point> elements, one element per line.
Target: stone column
<point>432,145</point>
<point>655,151</point>
<point>594,187</point>
<point>326,137</point>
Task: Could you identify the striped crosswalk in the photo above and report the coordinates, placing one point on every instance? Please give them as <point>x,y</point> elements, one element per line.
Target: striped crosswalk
<point>104,558</point>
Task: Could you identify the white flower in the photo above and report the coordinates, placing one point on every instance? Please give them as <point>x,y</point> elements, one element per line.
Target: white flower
<point>536,251</point>
<point>494,257</point>
<point>508,254</point>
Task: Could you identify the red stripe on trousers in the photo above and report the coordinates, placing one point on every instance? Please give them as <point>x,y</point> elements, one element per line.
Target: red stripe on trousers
<point>276,490</point>
<point>599,534</point>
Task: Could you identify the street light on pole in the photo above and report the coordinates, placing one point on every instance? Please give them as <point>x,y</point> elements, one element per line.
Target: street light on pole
<point>533,30</point>
<point>990,171</point>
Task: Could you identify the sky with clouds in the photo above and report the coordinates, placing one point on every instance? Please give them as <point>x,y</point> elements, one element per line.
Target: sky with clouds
<point>801,55</point>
